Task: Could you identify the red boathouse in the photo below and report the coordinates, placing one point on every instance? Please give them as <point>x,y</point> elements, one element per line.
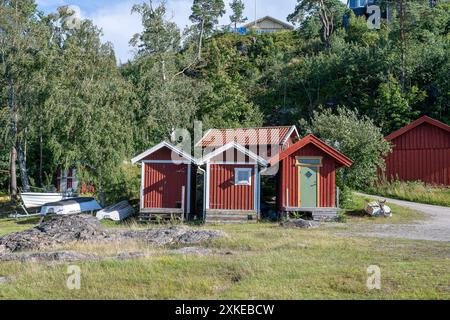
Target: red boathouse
<point>167,182</point>
<point>420,152</point>
<point>306,177</point>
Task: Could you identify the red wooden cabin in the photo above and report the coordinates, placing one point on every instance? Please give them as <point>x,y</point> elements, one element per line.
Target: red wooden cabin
<point>232,184</point>
<point>420,152</point>
<point>167,182</point>
<point>306,177</point>
<point>233,161</point>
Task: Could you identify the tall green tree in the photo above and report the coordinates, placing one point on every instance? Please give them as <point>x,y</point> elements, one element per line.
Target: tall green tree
<point>22,43</point>
<point>205,16</point>
<point>166,97</point>
<point>237,6</point>
<point>329,12</point>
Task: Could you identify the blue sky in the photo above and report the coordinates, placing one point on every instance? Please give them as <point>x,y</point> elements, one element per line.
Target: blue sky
<point>118,25</point>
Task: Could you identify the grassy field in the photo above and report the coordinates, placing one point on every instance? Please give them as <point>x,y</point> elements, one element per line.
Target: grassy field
<point>255,261</point>
<point>413,191</point>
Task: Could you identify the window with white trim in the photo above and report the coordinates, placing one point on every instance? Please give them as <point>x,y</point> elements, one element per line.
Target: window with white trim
<point>243,176</point>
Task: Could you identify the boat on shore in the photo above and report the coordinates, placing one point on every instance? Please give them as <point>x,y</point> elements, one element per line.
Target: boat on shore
<point>38,199</point>
<point>70,206</point>
<point>117,212</point>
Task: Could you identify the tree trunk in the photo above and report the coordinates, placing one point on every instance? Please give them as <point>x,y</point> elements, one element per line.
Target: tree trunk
<point>14,133</point>
<point>41,182</point>
<point>12,173</point>
<point>22,167</point>
<point>200,41</point>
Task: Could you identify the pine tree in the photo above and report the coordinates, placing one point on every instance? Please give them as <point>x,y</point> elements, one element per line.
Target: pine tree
<point>237,6</point>
<point>205,15</point>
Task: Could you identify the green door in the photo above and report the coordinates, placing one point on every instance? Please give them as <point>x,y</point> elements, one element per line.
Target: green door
<point>308,187</point>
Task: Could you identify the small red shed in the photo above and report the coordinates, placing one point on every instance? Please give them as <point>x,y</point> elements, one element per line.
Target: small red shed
<point>306,177</point>
<point>167,181</point>
<point>232,186</point>
<point>420,151</point>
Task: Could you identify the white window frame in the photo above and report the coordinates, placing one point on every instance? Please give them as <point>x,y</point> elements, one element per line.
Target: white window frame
<point>242,183</point>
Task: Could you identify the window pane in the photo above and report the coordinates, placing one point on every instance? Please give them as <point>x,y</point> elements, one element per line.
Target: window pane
<point>309,161</point>
<point>243,176</point>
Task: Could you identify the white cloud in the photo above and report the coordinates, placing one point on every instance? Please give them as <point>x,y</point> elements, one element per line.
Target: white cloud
<point>118,26</point>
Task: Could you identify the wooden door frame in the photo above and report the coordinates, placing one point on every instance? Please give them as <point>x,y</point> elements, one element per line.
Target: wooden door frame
<point>299,166</point>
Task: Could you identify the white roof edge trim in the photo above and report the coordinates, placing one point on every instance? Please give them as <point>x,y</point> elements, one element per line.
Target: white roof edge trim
<point>160,145</point>
<point>239,148</point>
<point>291,130</point>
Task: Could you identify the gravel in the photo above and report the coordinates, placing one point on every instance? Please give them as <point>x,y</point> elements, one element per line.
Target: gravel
<point>435,227</point>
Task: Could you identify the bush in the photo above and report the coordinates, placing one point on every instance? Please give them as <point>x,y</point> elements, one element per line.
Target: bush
<point>355,136</point>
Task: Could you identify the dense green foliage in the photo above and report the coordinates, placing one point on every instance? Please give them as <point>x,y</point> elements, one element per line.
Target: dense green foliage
<point>356,137</point>
<point>64,100</point>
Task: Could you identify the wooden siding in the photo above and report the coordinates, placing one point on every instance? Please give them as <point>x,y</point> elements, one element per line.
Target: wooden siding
<point>224,194</point>
<point>423,153</point>
<point>163,183</point>
<point>288,178</point>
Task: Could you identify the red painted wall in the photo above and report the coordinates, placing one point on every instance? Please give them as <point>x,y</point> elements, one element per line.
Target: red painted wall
<point>163,182</point>
<point>288,178</point>
<point>423,153</point>
<point>224,194</point>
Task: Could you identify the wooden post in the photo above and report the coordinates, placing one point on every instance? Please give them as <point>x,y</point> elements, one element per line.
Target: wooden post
<point>337,197</point>
<point>182,201</point>
<point>287,198</point>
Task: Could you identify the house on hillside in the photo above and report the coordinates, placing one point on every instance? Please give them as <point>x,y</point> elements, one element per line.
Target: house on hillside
<point>420,152</point>
<point>302,171</point>
<point>266,24</point>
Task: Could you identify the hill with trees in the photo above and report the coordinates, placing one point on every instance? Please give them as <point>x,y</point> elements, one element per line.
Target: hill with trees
<point>65,101</point>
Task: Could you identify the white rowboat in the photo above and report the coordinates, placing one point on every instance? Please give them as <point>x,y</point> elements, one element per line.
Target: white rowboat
<point>117,212</point>
<point>38,199</point>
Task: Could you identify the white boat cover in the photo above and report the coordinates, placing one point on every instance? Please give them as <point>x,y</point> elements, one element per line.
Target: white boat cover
<point>71,206</point>
<point>117,212</point>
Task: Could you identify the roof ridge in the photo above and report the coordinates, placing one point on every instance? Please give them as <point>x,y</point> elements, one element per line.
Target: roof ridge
<point>247,128</point>
<point>416,123</point>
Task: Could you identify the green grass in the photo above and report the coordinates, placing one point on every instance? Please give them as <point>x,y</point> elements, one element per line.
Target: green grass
<point>354,212</point>
<point>413,191</point>
<point>265,261</point>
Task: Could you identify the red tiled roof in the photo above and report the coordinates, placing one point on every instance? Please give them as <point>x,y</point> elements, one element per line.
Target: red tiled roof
<point>247,136</point>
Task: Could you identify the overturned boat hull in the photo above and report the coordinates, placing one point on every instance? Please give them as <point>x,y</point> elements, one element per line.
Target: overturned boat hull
<point>117,212</point>
<point>71,206</point>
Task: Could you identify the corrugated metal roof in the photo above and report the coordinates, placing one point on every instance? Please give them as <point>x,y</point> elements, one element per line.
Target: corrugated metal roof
<point>246,136</point>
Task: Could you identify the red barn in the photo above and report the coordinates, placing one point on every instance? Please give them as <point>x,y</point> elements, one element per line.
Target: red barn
<point>420,151</point>
<point>306,177</point>
<point>167,182</point>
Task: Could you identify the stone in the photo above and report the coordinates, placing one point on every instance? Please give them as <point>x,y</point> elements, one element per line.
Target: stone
<point>173,235</point>
<point>57,230</point>
<point>300,223</point>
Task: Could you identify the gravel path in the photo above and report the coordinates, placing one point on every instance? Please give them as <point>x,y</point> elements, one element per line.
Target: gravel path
<point>435,227</point>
